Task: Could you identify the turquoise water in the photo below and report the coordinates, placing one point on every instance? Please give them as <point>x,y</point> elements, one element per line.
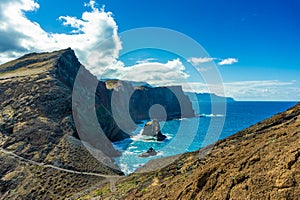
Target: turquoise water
<point>186,135</point>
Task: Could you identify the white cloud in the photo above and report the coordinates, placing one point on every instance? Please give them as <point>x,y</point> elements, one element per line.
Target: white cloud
<point>202,64</point>
<point>201,61</point>
<point>251,90</point>
<point>146,60</point>
<point>262,83</point>
<point>91,3</point>
<point>197,61</point>
<point>263,90</point>
<point>96,32</point>
<point>154,73</point>
<point>228,61</point>
<point>94,38</point>
<point>200,87</point>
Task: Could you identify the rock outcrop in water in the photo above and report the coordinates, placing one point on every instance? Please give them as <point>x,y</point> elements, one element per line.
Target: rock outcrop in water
<point>260,162</point>
<point>149,152</point>
<point>152,128</point>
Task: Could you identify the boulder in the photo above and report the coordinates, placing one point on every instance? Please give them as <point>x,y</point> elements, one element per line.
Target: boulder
<point>152,128</point>
<point>160,136</point>
<point>149,152</point>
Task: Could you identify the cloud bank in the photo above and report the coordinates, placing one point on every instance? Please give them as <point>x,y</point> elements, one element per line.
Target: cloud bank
<point>154,73</point>
<point>252,90</point>
<point>96,31</point>
<point>94,37</point>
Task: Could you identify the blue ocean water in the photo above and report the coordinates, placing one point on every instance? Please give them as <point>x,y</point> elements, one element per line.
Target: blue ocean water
<point>190,134</point>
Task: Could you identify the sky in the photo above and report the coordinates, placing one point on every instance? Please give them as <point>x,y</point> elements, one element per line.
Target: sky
<point>253,45</point>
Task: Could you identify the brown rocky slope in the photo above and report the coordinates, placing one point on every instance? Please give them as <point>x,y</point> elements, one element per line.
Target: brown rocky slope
<point>38,140</point>
<point>260,162</point>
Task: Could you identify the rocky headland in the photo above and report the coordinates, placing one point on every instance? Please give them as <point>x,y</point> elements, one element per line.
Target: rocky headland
<point>57,122</point>
<point>38,137</point>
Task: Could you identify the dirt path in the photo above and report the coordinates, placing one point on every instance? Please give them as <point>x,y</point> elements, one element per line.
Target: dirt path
<point>108,178</point>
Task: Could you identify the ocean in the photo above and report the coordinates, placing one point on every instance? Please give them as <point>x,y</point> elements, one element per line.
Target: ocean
<point>190,134</point>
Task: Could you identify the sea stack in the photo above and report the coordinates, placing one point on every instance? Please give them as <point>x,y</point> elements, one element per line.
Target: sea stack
<point>152,128</point>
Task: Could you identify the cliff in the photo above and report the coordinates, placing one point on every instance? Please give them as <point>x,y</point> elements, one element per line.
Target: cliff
<point>260,162</point>
<point>38,138</point>
<point>172,101</point>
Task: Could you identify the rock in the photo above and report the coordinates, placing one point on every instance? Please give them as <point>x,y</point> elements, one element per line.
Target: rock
<point>150,152</point>
<point>140,99</point>
<point>145,154</point>
<point>152,128</point>
<point>175,103</point>
<point>160,136</point>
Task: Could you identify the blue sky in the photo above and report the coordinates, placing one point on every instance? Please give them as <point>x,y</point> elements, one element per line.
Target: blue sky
<point>262,37</point>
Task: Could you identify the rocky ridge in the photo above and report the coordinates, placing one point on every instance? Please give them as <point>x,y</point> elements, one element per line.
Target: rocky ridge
<point>37,126</point>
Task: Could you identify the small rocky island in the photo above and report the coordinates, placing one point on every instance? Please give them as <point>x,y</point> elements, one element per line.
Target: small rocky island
<point>152,128</point>
<point>149,152</point>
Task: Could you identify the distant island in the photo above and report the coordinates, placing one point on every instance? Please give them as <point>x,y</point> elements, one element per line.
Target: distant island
<point>208,97</point>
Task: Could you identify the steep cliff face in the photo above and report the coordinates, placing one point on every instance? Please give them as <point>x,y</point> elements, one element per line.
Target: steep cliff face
<point>175,103</point>
<point>260,162</point>
<point>136,102</point>
<point>36,96</point>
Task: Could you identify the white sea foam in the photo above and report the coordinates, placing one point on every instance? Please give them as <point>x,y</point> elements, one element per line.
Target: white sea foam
<point>137,165</point>
<point>128,153</point>
<point>125,168</point>
<point>141,137</point>
<point>132,147</point>
<point>180,119</point>
<point>169,136</point>
<point>211,115</point>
